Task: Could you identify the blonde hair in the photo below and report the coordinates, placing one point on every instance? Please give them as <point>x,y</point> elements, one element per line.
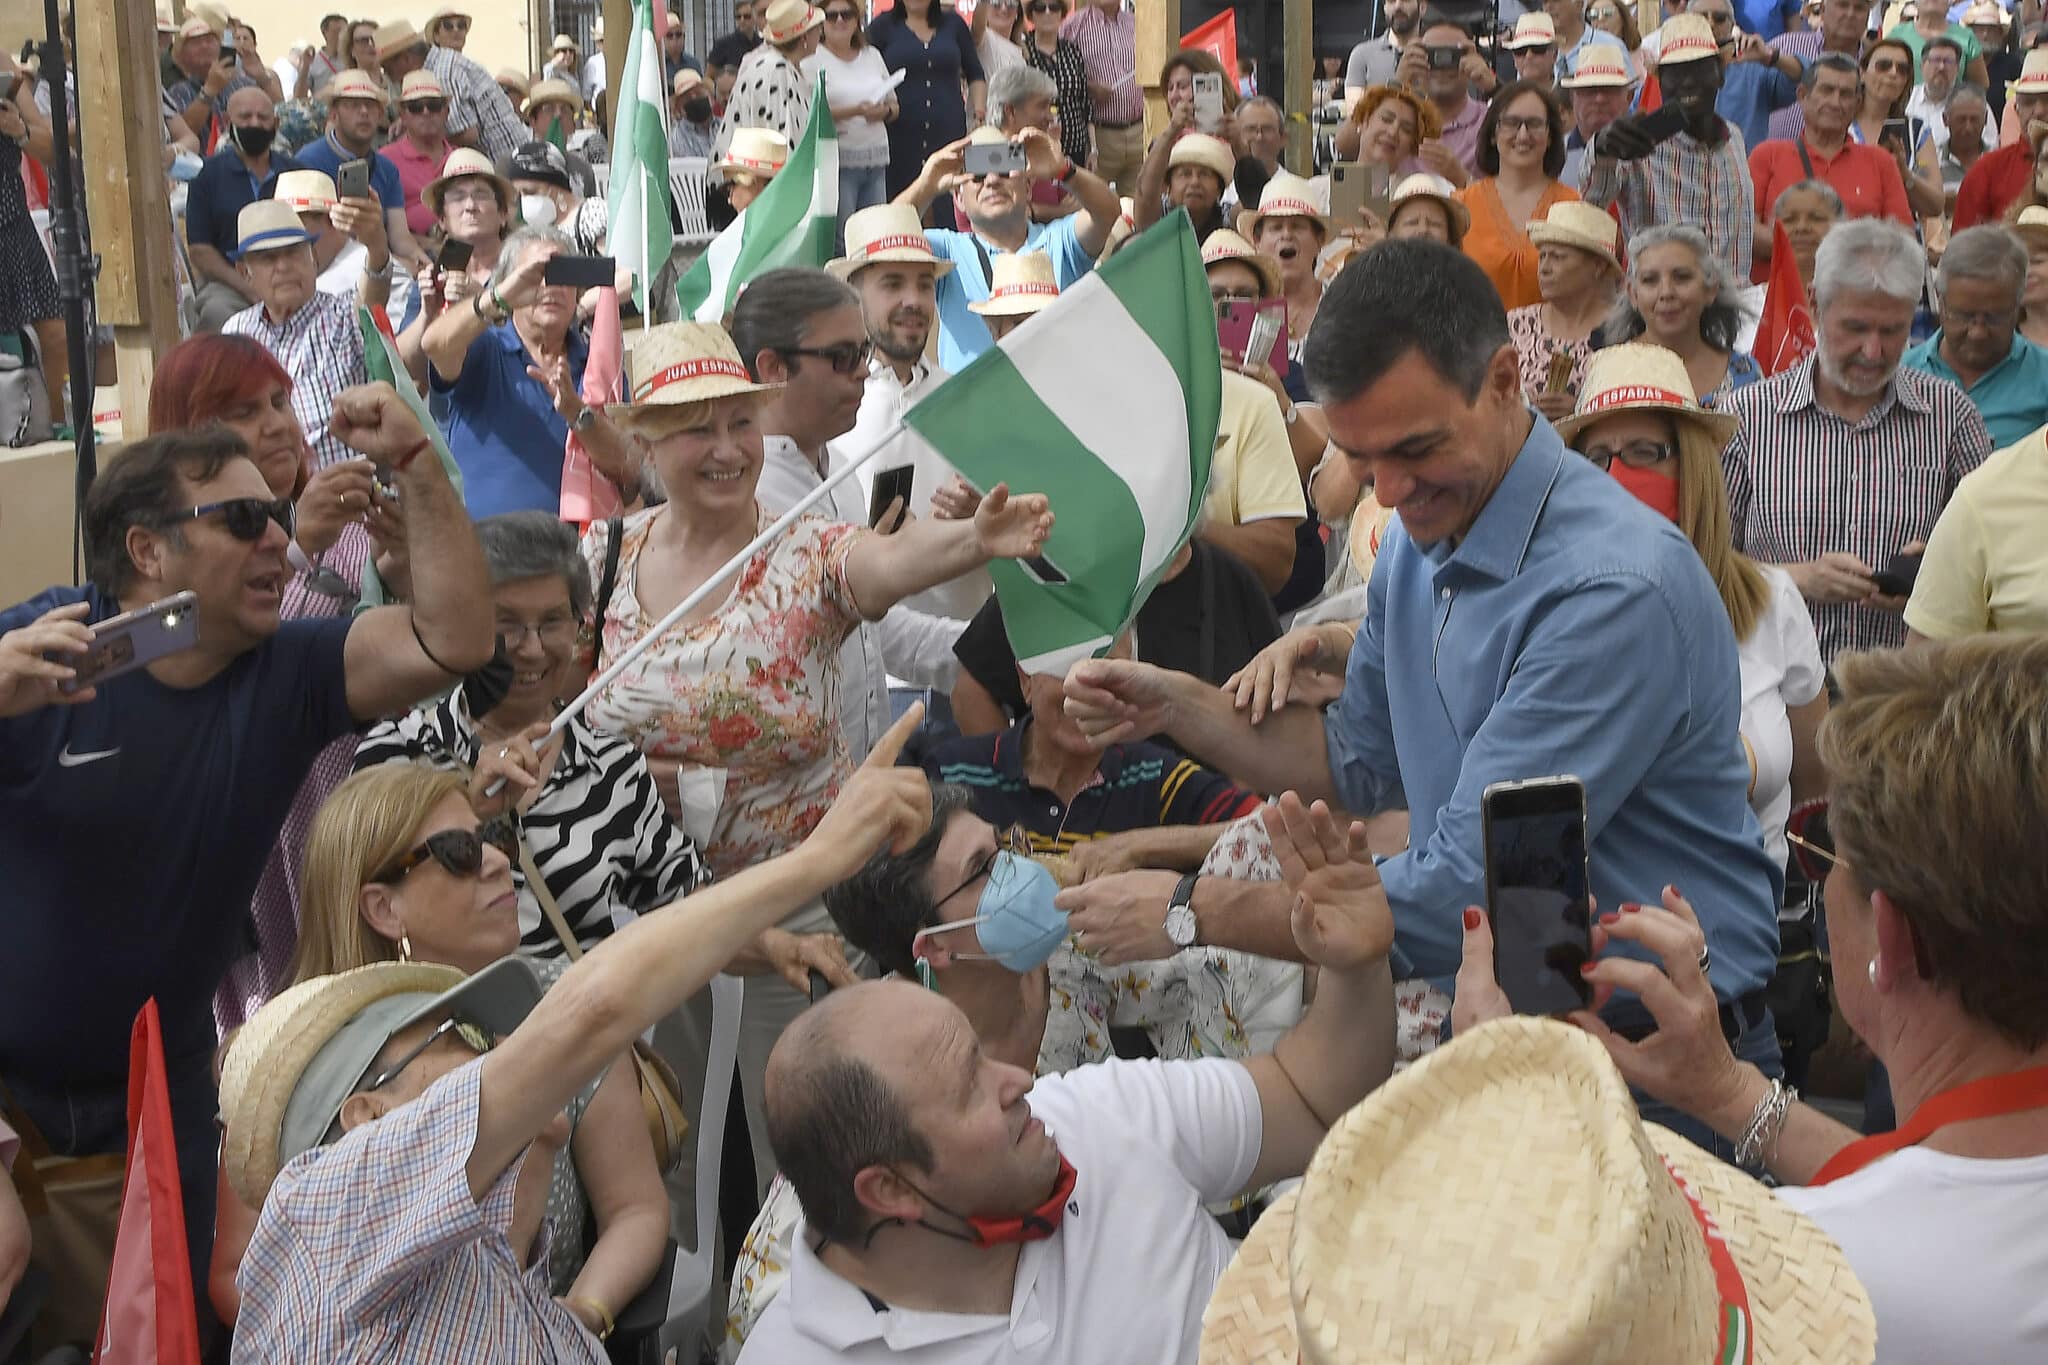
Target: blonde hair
<point>1703,516</point>
<point>1937,758</point>
<point>369,822</point>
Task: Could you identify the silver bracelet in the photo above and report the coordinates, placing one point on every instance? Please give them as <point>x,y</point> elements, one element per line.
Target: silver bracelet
<point>1761,1136</point>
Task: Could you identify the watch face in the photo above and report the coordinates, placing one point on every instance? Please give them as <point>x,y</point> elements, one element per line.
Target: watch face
<point>1180,926</point>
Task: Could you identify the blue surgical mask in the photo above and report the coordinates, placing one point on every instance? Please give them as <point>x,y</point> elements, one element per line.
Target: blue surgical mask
<point>186,165</point>
<point>1016,919</point>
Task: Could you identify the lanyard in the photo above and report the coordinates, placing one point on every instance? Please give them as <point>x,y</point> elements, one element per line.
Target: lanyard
<point>2013,1093</point>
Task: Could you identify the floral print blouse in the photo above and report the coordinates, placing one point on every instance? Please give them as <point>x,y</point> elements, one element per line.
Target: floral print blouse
<point>748,694</point>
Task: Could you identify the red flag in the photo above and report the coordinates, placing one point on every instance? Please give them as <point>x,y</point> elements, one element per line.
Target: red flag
<point>1652,97</point>
<point>149,1315</point>
<point>1218,38</point>
<point>587,495</point>
<point>1785,334</point>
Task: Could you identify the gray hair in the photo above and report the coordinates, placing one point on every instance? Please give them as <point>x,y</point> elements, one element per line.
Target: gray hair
<point>535,544</point>
<point>1874,254</point>
<point>1012,86</point>
<point>1264,102</point>
<point>1822,188</point>
<point>1720,321</point>
<point>1830,61</point>
<point>1963,93</point>
<point>516,246</point>
<point>1989,251</point>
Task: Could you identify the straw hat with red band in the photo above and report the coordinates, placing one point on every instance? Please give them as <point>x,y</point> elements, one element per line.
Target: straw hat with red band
<point>754,151</point>
<point>1023,283</point>
<point>1687,38</point>
<point>2033,77</point>
<point>788,20</point>
<point>887,232</point>
<point>306,191</point>
<point>467,161</point>
<point>679,363</point>
<point>552,91</point>
<point>1641,377</point>
<point>1502,1200</point>
<point>2032,226</point>
<point>397,36</point>
<point>1532,30</point>
<point>353,84</point>
<point>1286,195</point>
<point>1571,222</point>
<point>1599,64</point>
<point>420,85</point>
<point>1225,245</point>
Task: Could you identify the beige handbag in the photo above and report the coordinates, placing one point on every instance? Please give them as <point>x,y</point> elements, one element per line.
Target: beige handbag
<point>660,1093</point>
<point>73,1205</point>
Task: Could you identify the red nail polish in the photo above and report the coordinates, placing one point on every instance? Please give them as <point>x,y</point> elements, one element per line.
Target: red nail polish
<point>1471,918</point>
<point>1586,968</point>
<point>1630,909</point>
<point>1610,917</point>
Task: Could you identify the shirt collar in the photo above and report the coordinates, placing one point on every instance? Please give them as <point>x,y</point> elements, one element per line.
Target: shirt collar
<point>1500,536</point>
<point>1008,758</point>
<point>2014,357</point>
<point>840,1316</point>
<point>1801,395</point>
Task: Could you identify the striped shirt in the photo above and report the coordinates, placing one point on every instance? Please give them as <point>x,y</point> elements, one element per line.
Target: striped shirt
<point>476,101</point>
<point>597,831</point>
<point>374,1249</point>
<point>1803,482</point>
<point>1685,181</point>
<point>1110,48</point>
<point>321,348</point>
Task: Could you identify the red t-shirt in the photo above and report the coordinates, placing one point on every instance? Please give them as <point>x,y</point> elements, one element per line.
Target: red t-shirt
<point>415,170</point>
<point>1992,184</point>
<point>1866,177</point>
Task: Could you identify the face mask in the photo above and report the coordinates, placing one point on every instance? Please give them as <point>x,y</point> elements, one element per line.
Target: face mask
<point>1017,921</point>
<point>186,165</point>
<point>1652,489</point>
<point>252,141</point>
<point>983,1233</point>
<point>538,210</point>
<point>696,111</point>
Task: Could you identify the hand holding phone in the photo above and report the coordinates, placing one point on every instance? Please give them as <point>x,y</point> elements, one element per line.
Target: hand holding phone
<point>581,272</point>
<point>995,158</point>
<point>352,179</point>
<point>1899,575</point>
<point>1208,100</point>
<point>1664,123</point>
<point>1538,892</point>
<point>136,639</point>
<point>890,485</point>
<point>454,256</point>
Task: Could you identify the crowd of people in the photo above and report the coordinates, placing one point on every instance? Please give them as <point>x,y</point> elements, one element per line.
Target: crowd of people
<point>1150,1008</point>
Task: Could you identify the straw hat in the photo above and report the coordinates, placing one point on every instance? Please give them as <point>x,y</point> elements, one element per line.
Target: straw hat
<point>166,24</point>
<point>1641,377</point>
<point>2032,225</point>
<point>686,80</point>
<point>1533,30</point>
<point>1571,222</point>
<point>1423,185</point>
<point>420,85</point>
<point>353,85</point>
<point>446,12</point>
<point>1983,12</point>
<point>267,225</point>
<point>306,191</point>
<point>682,362</point>
<point>1286,195</point>
<point>563,43</point>
<point>461,163</point>
<point>1598,64</point>
<point>1687,38</point>
<point>1502,1200</point>
<point>2033,77</point>
<point>785,21</point>
<point>193,28</point>
<point>325,1033</point>
<point>1225,245</point>
<point>1023,283</point>
<point>1210,153</point>
<point>516,79</point>
<point>551,91</point>
<point>397,36</point>
<point>886,232</point>
<point>597,29</point>
<point>754,151</point>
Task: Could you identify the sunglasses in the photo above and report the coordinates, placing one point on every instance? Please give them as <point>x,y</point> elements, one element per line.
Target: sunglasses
<point>1045,9</point>
<point>460,852</point>
<point>455,21</point>
<point>839,16</point>
<point>478,1041</point>
<point>245,518</point>
<point>848,357</point>
<point>425,107</point>
<point>1888,65</point>
<point>1813,844</point>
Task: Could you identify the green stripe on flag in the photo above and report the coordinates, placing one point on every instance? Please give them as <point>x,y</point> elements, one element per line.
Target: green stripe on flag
<point>637,196</point>
<point>382,363</point>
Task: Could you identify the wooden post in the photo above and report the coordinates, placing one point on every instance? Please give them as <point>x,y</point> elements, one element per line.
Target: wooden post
<point>618,35</point>
<point>1298,37</point>
<point>121,149</point>
<point>1159,31</point>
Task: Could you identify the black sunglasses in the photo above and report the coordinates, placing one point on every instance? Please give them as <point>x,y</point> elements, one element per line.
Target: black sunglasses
<point>848,357</point>
<point>425,106</point>
<point>475,1038</point>
<point>1045,8</point>
<point>840,16</point>
<point>245,518</point>
<point>460,852</point>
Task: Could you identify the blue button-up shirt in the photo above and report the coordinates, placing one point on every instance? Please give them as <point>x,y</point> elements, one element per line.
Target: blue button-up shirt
<point>502,427</point>
<point>1573,631</point>
<point>2012,395</point>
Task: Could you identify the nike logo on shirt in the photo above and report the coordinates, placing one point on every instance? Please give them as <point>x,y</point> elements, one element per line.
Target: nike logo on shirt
<point>67,759</point>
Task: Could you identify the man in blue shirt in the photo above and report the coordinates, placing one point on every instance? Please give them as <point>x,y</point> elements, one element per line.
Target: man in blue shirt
<point>999,220</point>
<point>1523,620</point>
<point>355,103</point>
<point>136,815</point>
<point>1979,349</point>
<point>244,170</point>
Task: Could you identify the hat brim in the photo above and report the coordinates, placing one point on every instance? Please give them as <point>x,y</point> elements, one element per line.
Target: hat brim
<point>1248,221</point>
<point>1250,1316</point>
<point>1609,80</point>
<point>1719,426</point>
<point>436,189</point>
<point>1685,55</point>
<point>722,172</point>
<point>1541,232</point>
<point>846,267</point>
<point>706,389</point>
<point>275,239</point>
<point>1020,305</point>
<point>1267,269</point>
<point>1461,217</point>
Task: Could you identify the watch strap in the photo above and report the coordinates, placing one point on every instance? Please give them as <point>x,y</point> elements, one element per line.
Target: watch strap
<point>1183,891</point>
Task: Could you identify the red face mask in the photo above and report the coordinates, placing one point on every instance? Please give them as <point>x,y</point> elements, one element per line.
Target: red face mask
<point>1653,490</point>
<point>982,1232</point>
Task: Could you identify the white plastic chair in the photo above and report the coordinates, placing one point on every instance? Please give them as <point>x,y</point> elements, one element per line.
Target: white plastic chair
<point>690,1292</point>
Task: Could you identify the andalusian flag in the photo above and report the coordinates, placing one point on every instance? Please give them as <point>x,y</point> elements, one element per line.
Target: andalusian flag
<point>791,223</point>
<point>637,197</point>
<point>1118,433</point>
<point>382,362</point>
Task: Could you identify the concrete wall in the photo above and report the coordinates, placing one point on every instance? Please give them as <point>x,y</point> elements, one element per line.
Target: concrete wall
<point>497,34</point>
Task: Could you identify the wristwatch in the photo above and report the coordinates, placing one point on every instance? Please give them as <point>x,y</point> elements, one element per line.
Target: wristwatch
<point>1181,928</point>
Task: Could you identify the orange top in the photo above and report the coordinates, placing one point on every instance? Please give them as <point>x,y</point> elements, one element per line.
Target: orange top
<point>1502,248</point>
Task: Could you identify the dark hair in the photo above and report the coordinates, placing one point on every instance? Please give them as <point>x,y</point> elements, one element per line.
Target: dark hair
<point>140,486</point>
<point>775,310</point>
<point>881,907</point>
<point>1839,62</point>
<point>833,1119</point>
<point>1942,40</point>
<point>1553,120</point>
<point>1898,106</point>
<point>1436,18</point>
<point>1196,60</point>
<point>1403,295</point>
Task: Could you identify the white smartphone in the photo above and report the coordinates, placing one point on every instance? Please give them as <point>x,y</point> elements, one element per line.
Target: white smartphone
<point>1208,101</point>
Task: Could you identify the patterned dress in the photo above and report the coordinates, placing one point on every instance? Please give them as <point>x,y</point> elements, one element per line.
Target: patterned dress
<point>1534,346</point>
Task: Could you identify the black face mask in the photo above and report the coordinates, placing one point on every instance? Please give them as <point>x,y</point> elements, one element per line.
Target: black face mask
<point>696,111</point>
<point>252,140</point>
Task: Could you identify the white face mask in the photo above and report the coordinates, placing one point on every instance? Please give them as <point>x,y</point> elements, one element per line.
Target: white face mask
<point>538,210</point>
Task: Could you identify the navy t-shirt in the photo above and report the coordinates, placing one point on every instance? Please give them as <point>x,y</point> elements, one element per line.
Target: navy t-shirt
<point>324,155</point>
<point>223,188</point>
<point>133,830</point>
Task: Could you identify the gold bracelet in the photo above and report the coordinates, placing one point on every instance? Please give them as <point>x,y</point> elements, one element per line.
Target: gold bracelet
<point>604,1315</point>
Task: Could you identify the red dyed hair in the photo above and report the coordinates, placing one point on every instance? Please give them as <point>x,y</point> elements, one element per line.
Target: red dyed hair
<point>202,376</point>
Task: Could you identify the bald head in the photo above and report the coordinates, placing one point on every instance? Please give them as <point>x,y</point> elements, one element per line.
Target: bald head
<point>250,107</point>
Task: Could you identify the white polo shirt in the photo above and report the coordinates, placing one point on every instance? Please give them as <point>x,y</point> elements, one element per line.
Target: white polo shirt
<point>1125,1279</point>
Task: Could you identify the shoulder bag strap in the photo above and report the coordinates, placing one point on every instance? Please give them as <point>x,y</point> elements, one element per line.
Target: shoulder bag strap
<point>539,886</point>
<point>614,529</point>
<point>1805,161</point>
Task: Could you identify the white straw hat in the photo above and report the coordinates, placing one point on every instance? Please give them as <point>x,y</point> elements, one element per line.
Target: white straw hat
<point>553,90</point>
<point>785,21</point>
<point>1686,38</point>
<point>306,191</point>
<point>1423,185</point>
<point>1572,222</point>
<point>682,362</point>
<point>759,152</point>
<point>2032,225</point>
<point>1023,282</point>
<point>1286,195</point>
<point>1225,245</point>
<point>420,85</point>
<point>1502,1201</point>
<point>1598,64</point>
<point>563,43</point>
<point>886,232</point>
<point>2033,77</point>
<point>1641,377</point>
<point>1532,30</point>
<point>1210,153</point>
<point>467,161</point>
<point>397,36</point>
<point>353,85</point>
<point>267,225</point>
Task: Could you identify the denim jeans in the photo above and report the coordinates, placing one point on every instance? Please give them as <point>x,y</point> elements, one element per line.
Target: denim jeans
<point>1757,1045</point>
<point>860,187</point>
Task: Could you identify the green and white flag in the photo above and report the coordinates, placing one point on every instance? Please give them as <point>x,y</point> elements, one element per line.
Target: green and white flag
<point>381,361</point>
<point>636,198</point>
<point>1119,434</point>
<point>791,223</point>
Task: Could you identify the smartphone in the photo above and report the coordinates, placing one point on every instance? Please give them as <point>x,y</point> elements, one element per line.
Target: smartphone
<point>454,256</point>
<point>1208,101</point>
<point>1445,58</point>
<point>1538,892</point>
<point>352,179</point>
<point>890,484</point>
<point>1254,333</point>
<point>227,41</point>
<point>580,272</point>
<point>7,81</point>
<point>1899,576</point>
<point>1665,122</point>
<point>996,158</point>
<point>1356,189</point>
<point>820,987</point>
<point>135,639</point>
<point>1897,128</point>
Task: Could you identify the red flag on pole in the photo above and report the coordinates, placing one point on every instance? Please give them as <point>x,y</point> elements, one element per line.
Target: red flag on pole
<point>587,495</point>
<point>1652,97</point>
<point>1218,38</point>
<point>1785,334</point>
<point>149,1317</point>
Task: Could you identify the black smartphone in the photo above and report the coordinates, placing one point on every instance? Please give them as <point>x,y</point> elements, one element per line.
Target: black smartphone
<point>820,987</point>
<point>1897,129</point>
<point>995,158</point>
<point>7,81</point>
<point>122,644</point>
<point>454,256</point>
<point>1445,58</point>
<point>1899,576</point>
<point>580,272</point>
<point>890,484</point>
<point>1538,893</point>
<point>1665,122</point>
<point>352,179</point>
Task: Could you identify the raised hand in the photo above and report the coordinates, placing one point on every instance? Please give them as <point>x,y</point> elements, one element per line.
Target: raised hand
<point>1341,917</point>
<point>882,806</point>
<point>1118,701</point>
<point>1012,528</point>
<point>29,681</point>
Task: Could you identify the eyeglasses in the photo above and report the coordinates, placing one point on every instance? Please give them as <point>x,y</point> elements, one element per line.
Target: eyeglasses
<point>1015,840</point>
<point>848,357</point>
<point>552,630</point>
<point>425,106</point>
<point>479,1042</point>
<point>472,193</point>
<point>1956,320</point>
<point>1718,20</point>
<point>1223,296</point>
<point>245,518</point>
<point>1540,50</point>
<point>1636,454</point>
<point>839,16</point>
<point>1509,125</point>
<point>1045,8</point>
<point>1813,843</point>
<point>460,852</point>
<point>455,21</point>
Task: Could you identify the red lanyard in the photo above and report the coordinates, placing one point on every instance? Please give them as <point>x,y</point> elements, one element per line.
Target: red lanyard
<point>2013,1093</point>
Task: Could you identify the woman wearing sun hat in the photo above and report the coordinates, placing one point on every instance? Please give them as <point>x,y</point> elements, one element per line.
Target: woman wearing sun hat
<point>2031,223</point>
<point>771,90</point>
<point>1185,170</point>
<point>1579,275</point>
<point>1290,226</point>
<point>1425,205</point>
<point>751,159</point>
